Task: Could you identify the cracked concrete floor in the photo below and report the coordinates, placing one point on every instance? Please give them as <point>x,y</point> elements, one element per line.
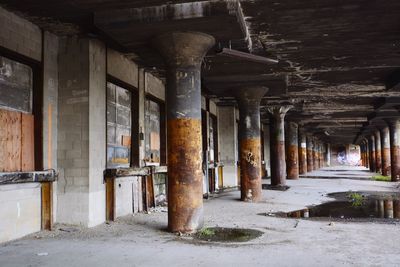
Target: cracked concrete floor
<point>141,240</point>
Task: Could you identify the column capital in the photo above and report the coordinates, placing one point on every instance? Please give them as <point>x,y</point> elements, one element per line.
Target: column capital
<point>183,48</point>
<point>279,111</point>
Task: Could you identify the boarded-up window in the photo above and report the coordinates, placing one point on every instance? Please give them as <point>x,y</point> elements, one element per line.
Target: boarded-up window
<point>16,120</point>
<point>152,131</point>
<point>119,120</point>
<point>15,85</point>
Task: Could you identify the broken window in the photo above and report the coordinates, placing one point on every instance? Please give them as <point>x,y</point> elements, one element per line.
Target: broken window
<point>16,85</point>
<point>119,101</point>
<point>152,131</point>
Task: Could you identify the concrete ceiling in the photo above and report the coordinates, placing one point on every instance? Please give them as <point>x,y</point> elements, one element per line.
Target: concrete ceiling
<point>339,60</point>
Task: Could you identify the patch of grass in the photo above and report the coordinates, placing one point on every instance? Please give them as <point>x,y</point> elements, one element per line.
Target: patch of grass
<point>206,232</point>
<point>356,199</point>
<point>381,178</point>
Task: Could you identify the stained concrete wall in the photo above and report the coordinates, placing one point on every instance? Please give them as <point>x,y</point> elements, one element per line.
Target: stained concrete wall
<point>20,35</point>
<point>50,107</point>
<point>82,131</point>
<point>20,206</point>
<point>122,68</point>
<point>227,143</point>
<point>154,86</point>
<point>20,210</point>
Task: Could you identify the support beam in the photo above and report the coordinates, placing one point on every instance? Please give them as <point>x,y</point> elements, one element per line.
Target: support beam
<point>302,152</point>
<point>250,142</point>
<point>385,148</point>
<point>278,163</point>
<point>310,154</point>
<point>183,53</point>
<point>292,151</point>
<point>394,129</point>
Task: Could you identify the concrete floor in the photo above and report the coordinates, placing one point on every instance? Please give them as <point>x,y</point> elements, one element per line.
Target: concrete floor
<point>141,240</point>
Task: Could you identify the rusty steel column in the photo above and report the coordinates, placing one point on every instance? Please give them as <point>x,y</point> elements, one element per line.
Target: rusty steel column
<point>302,152</point>
<point>394,129</point>
<point>385,150</point>
<point>278,163</point>
<point>378,155</point>
<point>372,154</point>
<point>362,150</point>
<point>366,152</point>
<point>321,155</point>
<point>310,154</point>
<point>315,153</point>
<point>293,151</point>
<point>183,53</point>
<point>250,142</point>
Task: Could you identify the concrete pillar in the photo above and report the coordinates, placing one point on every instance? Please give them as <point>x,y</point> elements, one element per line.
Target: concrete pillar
<point>278,164</point>
<point>302,152</point>
<point>228,143</point>
<point>372,154</point>
<point>183,53</point>
<point>321,155</point>
<point>267,149</point>
<point>378,155</point>
<point>310,154</point>
<point>250,142</point>
<point>293,151</point>
<point>328,154</point>
<point>315,153</point>
<point>81,155</point>
<point>385,150</point>
<point>394,130</point>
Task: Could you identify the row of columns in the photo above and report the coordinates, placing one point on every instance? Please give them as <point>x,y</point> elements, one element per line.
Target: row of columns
<point>380,151</point>
<point>183,53</point>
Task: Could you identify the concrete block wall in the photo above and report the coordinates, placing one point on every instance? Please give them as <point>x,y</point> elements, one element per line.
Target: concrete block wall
<point>20,35</point>
<point>81,133</point>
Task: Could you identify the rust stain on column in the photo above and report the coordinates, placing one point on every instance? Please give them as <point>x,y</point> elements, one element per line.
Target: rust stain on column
<point>315,155</point>
<point>185,190</point>
<point>378,155</point>
<point>293,152</point>
<point>278,162</point>
<point>385,148</point>
<point>394,128</point>
<point>302,153</point>
<point>372,154</point>
<point>250,166</point>
<point>310,155</point>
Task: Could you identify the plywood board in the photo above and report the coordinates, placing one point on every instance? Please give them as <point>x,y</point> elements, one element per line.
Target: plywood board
<point>11,140</point>
<point>3,140</point>
<point>27,143</point>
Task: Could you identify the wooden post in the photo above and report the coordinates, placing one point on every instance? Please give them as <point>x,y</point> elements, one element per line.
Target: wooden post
<point>47,214</point>
<point>110,211</point>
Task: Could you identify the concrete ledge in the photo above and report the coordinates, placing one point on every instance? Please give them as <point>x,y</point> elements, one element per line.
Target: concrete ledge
<point>27,177</point>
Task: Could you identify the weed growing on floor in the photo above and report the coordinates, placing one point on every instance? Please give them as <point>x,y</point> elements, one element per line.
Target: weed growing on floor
<point>381,178</point>
<point>356,199</point>
<point>206,232</point>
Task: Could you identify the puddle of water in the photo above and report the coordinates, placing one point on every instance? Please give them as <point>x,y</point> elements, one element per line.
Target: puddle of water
<point>228,235</point>
<point>349,205</point>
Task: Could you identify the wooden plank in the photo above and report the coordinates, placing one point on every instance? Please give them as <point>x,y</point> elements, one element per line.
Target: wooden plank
<point>27,177</point>
<point>47,217</point>
<point>27,143</point>
<point>110,201</point>
<point>3,140</point>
